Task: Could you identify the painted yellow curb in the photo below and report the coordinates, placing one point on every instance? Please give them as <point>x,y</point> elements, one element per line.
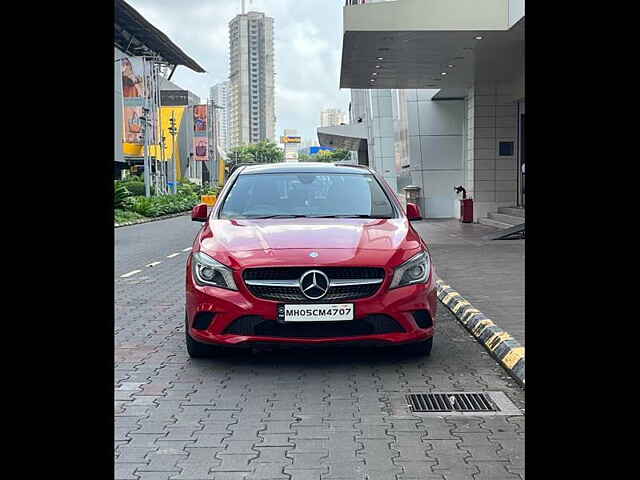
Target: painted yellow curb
<point>513,357</point>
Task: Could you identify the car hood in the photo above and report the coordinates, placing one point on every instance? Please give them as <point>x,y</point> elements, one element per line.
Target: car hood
<point>243,243</point>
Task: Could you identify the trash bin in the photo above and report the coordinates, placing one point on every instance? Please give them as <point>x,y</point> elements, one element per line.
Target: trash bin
<point>466,210</point>
<point>412,194</point>
<point>466,205</point>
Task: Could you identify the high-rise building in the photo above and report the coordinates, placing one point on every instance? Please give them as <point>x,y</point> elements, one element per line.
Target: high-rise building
<point>219,93</point>
<point>251,79</point>
<point>332,116</point>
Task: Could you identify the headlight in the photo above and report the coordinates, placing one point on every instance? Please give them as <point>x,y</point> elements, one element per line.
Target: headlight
<point>414,270</point>
<point>207,271</point>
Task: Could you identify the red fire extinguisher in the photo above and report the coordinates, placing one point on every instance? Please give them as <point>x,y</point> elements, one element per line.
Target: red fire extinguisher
<point>466,206</point>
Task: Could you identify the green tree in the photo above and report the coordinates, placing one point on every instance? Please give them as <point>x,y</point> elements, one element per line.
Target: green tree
<point>261,152</point>
<point>331,155</point>
<point>305,157</point>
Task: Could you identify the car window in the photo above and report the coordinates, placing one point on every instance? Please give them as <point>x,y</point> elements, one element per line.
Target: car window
<point>306,194</point>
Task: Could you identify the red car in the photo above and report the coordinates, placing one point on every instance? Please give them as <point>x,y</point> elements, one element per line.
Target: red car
<point>308,253</point>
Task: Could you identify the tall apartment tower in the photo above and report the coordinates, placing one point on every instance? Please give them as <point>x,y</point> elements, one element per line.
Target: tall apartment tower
<point>251,79</point>
<point>219,93</point>
<point>332,116</point>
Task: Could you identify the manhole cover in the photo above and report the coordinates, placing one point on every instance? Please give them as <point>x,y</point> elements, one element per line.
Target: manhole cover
<point>462,403</point>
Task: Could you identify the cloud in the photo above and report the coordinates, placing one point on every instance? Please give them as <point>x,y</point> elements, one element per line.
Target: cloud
<point>308,44</point>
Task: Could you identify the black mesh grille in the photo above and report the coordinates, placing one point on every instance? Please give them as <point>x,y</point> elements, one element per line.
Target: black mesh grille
<point>294,273</point>
<point>369,325</point>
<point>289,294</point>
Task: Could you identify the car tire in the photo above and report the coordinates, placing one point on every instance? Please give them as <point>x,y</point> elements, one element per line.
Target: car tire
<point>419,348</point>
<point>197,349</point>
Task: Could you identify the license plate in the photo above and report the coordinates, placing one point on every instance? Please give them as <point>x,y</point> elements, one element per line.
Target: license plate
<point>333,312</point>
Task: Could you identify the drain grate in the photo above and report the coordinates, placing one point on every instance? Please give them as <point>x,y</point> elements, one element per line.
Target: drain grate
<point>451,402</point>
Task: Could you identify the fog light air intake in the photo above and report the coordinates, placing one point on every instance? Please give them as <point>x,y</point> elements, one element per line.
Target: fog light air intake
<point>203,320</point>
<point>423,318</point>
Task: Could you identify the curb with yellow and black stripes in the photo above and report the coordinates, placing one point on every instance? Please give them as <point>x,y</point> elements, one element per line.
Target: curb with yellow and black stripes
<point>499,343</point>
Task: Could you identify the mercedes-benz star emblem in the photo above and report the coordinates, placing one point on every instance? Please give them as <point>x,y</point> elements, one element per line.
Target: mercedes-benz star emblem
<point>314,284</point>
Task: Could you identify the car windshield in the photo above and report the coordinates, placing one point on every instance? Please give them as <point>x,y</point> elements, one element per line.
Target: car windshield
<point>322,195</point>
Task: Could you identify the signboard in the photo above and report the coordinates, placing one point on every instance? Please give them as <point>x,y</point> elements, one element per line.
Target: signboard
<point>313,150</point>
<point>174,98</point>
<point>290,140</point>
<point>200,137</point>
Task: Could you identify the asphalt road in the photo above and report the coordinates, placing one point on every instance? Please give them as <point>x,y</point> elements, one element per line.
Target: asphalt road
<point>329,414</point>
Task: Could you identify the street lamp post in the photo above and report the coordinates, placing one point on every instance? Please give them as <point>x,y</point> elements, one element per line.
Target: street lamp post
<point>214,136</point>
<point>172,130</point>
<point>147,166</point>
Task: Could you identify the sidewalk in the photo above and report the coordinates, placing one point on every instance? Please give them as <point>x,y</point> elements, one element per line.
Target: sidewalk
<point>487,273</point>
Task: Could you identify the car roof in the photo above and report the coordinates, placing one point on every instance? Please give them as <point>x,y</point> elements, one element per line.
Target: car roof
<point>307,167</point>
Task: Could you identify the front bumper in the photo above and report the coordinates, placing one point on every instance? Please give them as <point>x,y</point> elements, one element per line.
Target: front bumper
<point>229,305</point>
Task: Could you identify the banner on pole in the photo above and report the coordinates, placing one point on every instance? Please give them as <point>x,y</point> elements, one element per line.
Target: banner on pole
<point>140,89</point>
<point>132,69</point>
<point>200,134</point>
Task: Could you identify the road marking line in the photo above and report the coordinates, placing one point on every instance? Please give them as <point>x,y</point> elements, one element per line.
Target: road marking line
<point>130,273</point>
<point>173,255</point>
<point>187,249</point>
<point>153,264</point>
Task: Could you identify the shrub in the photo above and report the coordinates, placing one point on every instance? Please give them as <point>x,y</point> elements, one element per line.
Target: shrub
<point>133,178</point>
<point>209,189</point>
<point>163,205</point>
<point>136,188</point>
<point>120,194</point>
<point>122,216</point>
<point>186,189</point>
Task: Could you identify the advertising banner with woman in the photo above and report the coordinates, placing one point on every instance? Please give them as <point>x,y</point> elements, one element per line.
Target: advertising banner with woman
<point>132,124</point>
<point>200,136</point>
<point>133,90</point>
<point>132,77</point>
<point>140,91</point>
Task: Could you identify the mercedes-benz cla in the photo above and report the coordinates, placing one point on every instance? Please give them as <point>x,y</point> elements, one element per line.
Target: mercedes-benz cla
<point>308,253</point>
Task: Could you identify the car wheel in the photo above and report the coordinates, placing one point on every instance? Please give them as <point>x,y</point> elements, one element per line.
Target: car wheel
<point>419,348</point>
<point>197,349</point>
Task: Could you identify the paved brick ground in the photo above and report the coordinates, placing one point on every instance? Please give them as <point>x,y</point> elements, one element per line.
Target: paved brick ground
<point>335,414</point>
<point>487,273</point>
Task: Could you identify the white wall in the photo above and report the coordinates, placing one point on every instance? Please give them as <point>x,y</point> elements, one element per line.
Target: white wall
<point>436,151</point>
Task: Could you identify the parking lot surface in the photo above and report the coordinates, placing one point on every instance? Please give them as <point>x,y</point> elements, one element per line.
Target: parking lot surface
<point>292,414</point>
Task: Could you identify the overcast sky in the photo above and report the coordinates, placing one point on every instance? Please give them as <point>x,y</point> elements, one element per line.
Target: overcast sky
<point>308,46</point>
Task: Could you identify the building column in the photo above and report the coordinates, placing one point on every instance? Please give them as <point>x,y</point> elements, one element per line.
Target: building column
<point>490,178</point>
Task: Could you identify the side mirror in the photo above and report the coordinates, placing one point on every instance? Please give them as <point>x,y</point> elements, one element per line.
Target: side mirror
<point>199,213</point>
<point>413,212</point>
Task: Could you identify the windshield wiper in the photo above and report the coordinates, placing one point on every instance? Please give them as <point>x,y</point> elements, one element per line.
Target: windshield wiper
<point>349,216</point>
<point>274,216</point>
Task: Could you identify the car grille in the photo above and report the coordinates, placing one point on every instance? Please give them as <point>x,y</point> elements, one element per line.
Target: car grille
<point>293,293</point>
<point>255,325</point>
<point>294,273</point>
